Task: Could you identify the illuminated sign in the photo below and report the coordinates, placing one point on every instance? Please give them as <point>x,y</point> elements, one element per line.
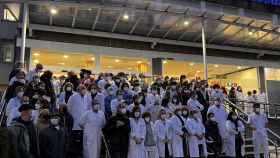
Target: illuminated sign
<point>271,2</point>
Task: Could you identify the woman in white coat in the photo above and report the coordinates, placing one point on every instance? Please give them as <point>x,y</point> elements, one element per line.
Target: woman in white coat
<point>92,122</point>
<point>197,143</point>
<point>235,143</point>
<point>137,135</point>
<point>177,124</point>
<point>163,135</point>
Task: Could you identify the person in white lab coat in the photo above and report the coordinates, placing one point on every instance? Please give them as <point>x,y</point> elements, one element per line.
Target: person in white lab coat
<point>153,100</point>
<point>68,91</point>
<point>137,135</point>
<point>235,142</point>
<point>35,72</point>
<point>96,94</point>
<point>116,102</point>
<point>221,117</point>
<point>136,103</point>
<point>259,123</point>
<point>13,105</point>
<point>178,135</point>
<point>150,139</point>
<point>194,105</point>
<point>92,122</point>
<point>77,105</point>
<point>163,134</point>
<point>250,100</point>
<point>197,142</point>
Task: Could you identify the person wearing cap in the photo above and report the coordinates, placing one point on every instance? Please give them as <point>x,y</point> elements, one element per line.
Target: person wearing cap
<point>117,131</point>
<point>92,122</point>
<point>259,123</point>
<point>221,116</point>
<point>25,135</point>
<point>35,72</point>
<point>52,139</point>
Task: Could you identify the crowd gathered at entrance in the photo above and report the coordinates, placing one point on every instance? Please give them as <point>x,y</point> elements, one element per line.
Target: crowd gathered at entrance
<point>124,116</point>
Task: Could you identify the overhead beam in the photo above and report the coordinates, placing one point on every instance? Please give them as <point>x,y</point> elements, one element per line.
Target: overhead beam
<point>135,25</point>
<point>175,24</point>
<point>162,16</point>
<point>236,33</point>
<point>145,39</point>
<point>117,21</point>
<point>75,16</point>
<point>96,18</point>
<point>51,19</point>
<point>217,34</point>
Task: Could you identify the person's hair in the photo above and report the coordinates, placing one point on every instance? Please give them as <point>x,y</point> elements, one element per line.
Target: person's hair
<point>146,114</point>
<point>39,66</point>
<point>230,116</point>
<point>254,91</point>
<point>124,85</point>
<point>47,75</point>
<point>19,89</point>
<point>68,84</point>
<point>249,93</point>
<point>256,105</point>
<point>119,92</point>
<point>216,86</point>
<point>81,87</point>
<point>93,85</point>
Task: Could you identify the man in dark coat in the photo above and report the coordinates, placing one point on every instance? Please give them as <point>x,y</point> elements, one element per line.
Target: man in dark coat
<point>24,134</point>
<point>52,139</point>
<point>117,132</point>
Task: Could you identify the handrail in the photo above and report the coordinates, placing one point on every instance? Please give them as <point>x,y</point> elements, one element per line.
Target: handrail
<point>3,107</point>
<point>268,130</point>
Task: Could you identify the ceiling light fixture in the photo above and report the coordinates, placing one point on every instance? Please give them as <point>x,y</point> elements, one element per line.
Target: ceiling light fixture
<point>117,60</point>
<point>186,23</point>
<point>139,62</point>
<point>239,67</point>
<point>92,58</point>
<point>36,54</point>
<point>36,61</point>
<point>164,61</point>
<point>53,11</point>
<point>191,64</point>
<point>65,56</point>
<point>216,65</point>
<point>125,16</point>
<point>198,71</point>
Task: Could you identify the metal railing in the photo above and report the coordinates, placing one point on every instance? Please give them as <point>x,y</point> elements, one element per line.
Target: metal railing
<point>3,105</point>
<point>273,138</point>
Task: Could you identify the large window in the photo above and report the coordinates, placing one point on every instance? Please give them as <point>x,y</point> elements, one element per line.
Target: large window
<point>7,53</point>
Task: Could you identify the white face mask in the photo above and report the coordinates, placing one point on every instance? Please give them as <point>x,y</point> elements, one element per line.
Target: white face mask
<point>125,88</point>
<point>54,121</point>
<point>111,92</point>
<point>68,88</point>
<point>179,113</point>
<point>147,119</point>
<point>212,119</point>
<point>123,111</point>
<point>137,114</point>
<point>234,117</point>
<point>20,94</point>
<point>37,106</point>
<point>185,112</point>
<point>96,107</point>
<point>93,91</point>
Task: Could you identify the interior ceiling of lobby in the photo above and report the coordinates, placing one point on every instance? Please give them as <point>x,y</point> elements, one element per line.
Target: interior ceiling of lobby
<point>161,20</point>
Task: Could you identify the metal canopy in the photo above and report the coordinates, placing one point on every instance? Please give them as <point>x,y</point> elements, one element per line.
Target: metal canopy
<point>168,21</point>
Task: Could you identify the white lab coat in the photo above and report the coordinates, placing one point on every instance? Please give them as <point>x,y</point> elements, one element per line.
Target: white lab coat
<point>194,105</point>
<point>77,106</point>
<point>30,75</point>
<point>61,98</point>
<point>230,141</point>
<point>12,109</point>
<point>260,137</point>
<point>163,131</point>
<point>151,105</point>
<point>92,139</point>
<point>138,130</point>
<point>195,127</point>
<point>177,141</point>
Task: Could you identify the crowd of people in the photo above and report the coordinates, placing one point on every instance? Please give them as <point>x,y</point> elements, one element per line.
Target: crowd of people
<point>123,116</point>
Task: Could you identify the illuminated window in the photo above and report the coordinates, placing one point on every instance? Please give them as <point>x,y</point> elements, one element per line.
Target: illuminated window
<point>8,15</point>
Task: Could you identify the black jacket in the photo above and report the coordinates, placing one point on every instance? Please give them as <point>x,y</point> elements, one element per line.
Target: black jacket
<point>52,142</point>
<point>7,150</point>
<point>117,137</point>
